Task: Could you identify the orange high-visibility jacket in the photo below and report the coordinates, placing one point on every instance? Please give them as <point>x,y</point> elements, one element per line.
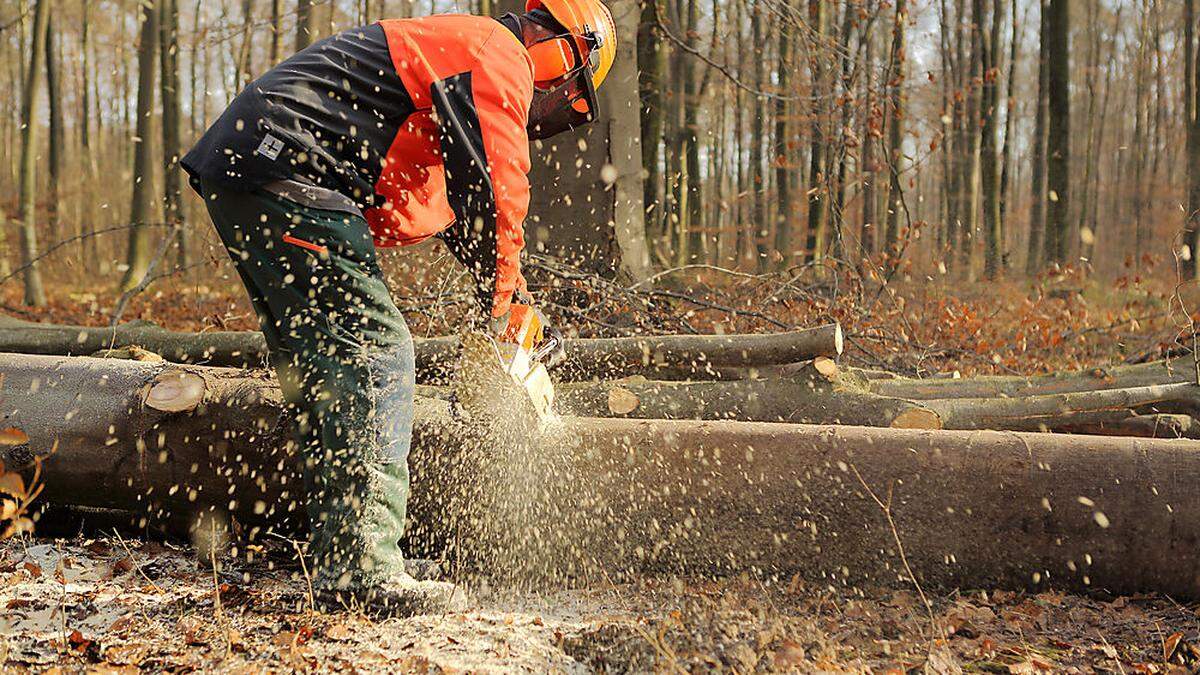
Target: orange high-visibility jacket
<point>421,122</point>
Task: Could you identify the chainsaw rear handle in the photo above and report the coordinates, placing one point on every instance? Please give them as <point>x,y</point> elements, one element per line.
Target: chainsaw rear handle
<point>552,351</point>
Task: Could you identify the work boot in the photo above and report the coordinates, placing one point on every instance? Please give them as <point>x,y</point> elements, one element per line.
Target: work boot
<point>399,597</point>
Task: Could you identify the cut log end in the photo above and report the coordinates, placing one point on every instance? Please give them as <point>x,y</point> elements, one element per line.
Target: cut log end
<point>621,401</point>
<point>917,418</point>
<point>826,367</point>
<point>175,391</point>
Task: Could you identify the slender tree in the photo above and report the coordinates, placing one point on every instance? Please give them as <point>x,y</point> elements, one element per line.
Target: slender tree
<point>1191,85</point>
<point>652,59</point>
<point>1037,211</point>
<point>171,122</point>
<point>141,210</point>
<point>35,292</point>
<point>276,31</point>
<point>783,194</point>
<point>818,190</point>
<point>306,24</point>
<point>895,122</point>
<point>58,150</point>
<point>1058,146</point>
<point>989,146</point>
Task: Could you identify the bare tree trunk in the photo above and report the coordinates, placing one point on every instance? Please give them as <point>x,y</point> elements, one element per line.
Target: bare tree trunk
<point>652,59</point>
<point>757,131</point>
<point>1006,153</point>
<point>949,231</point>
<point>35,293</point>
<point>692,237</point>
<point>1037,253</point>
<point>617,104</point>
<point>243,67</point>
<point>306,24</point>
<point>88,245</point>
<point>895,122</point>
<point>141,208</point>
<point>783,195</point>
<point>818,188</point>
<point>972,146</point>
<point>1191,85</point>
<point>989,156</point>
<point>276,31</point>
<point>1091,154</point>
<point>172,145</point>
<point>58,150</point>
<point>1141,116</point>
<point>1058,146</point>
<point>868,172</point>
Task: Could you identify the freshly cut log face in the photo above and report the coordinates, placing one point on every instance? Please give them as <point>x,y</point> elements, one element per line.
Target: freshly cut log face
<point>972,509</point>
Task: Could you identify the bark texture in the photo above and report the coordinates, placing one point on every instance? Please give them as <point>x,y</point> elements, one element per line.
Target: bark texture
<point>670,355</point>
<point>972,509</point>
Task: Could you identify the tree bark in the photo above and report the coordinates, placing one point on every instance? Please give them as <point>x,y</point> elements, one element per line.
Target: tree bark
<point>1058,147</point>
<point>35,293</point>
<point>1191,87</point>
<point>1036,253</point>
<point>141,210</point>
<point>171,121</point>
<point>818,187</point>
<point>1007,510</point>
<point>680,355</point>
<point>618,101</point>
<point>784,207</point>
<point>306,24</point>
<point>652,59</point>
<point>58,140</point>
<point>895,122</point>
<point>989,147</point>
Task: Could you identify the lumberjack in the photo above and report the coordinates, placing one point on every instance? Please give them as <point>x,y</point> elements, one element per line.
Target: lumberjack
<point>385,135</point>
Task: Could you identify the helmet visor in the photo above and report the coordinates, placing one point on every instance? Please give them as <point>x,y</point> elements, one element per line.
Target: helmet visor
<point>566,103</point>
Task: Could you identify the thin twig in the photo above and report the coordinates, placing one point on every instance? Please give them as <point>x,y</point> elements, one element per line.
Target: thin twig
<point>887,513</point>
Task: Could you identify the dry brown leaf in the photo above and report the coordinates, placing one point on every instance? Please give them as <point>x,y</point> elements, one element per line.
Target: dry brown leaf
<point>338,631</point>
<point>13,485</point>
<point>1170,644</point>
<point>13,436</point>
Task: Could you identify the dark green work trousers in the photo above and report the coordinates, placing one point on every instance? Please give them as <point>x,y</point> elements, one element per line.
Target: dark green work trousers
<point>344,358</point>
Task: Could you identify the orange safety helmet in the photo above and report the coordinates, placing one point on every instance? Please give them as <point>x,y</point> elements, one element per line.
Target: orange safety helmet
<point>591,24</point>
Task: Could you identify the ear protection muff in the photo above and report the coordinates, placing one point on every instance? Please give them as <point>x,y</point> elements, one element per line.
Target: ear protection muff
<point>552,59</point>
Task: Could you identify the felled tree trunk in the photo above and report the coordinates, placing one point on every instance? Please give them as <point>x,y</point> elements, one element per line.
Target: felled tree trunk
<point>992,386</point>
<point>816,393</point>
<point>667,356</point>
<point>972,509</point>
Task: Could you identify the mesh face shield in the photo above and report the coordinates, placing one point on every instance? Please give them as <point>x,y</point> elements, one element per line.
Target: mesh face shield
<point>567,101</point>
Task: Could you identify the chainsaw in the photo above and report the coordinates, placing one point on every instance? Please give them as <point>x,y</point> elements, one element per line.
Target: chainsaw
<point>507,375</point>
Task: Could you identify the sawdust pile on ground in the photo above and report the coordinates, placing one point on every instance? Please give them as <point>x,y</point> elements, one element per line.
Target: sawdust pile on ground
<point>113,606</point>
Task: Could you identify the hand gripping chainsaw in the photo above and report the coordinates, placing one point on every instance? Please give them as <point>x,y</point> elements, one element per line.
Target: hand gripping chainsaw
<point>506,375</point>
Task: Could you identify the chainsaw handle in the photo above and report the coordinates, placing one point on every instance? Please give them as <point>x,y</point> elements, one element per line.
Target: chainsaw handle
<point>553,350</point>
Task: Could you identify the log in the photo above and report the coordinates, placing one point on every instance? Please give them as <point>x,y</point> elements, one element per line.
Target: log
<point>624,497</point>
<point>1055,411</point>
<point>669,356</point>
<point>814,393</point>
<point>1004,386</point>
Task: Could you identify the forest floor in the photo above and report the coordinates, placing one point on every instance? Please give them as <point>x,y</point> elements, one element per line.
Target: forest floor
<point>115,605</point>
<point>103,605</point>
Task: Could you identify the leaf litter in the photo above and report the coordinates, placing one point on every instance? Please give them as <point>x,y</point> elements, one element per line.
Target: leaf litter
<point>87,604</point>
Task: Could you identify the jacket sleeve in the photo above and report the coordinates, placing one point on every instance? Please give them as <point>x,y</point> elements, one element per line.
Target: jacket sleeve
<point>481,116</point>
